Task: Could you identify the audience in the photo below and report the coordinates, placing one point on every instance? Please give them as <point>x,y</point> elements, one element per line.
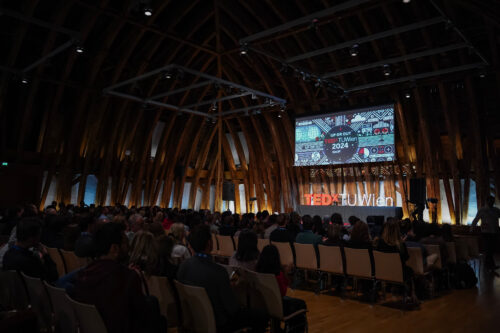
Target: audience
<point>307,236</point>
<point>179,252</point>
<point>273,221</point>
<point>201,271</point>
<point>144,253</point>
<point>334,234</point>
<point>281,233</point>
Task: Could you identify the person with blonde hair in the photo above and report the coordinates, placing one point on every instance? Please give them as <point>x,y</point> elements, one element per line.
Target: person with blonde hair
<point>144,252</point>
<point>180,252</point>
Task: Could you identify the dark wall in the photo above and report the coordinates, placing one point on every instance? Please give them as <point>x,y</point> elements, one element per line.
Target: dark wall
<point>20,184</point>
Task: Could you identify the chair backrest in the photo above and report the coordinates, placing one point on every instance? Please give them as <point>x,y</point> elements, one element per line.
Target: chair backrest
<point>261,243</point>
<point>236,239</point>
<point>305,256</point>
<point>434,249</point>
<point>286,254</point>
<point>57,258</point>
<point>461,249</point>
<point>160,287</point>
<point>13,291</point>
<point>72,261</point>
<point>197,312</point>
<point>215,245</point>
<point>64,315</point>
<point>265,292</point>
<point>226,246</point>
<point>358,262</point>
<point>89,319</point>
<point>330,259</point>
<point>39,300</point>
<point>416,260</point>
<point>388,266</point>
<point>452,254</point>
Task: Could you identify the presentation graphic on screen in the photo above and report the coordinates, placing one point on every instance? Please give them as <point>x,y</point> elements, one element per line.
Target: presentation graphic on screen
<point>354,136</point>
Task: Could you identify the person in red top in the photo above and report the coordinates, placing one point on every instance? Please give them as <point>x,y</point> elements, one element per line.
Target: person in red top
<point>269,263</point>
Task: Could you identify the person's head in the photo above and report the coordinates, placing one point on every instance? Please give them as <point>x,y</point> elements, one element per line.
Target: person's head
<point>228,220</point>
<point>111,242</point>
<point>156,229</point>
<point>318,225</point>
<point>28,232</point>
<point>16,212</point>
<point>490,201</point>
<point>177,232</point>
<point>136,222</point>
<point>352,220</point>
<point>281,220</point>
<point>391,234</point>
<point>164,244</point>
<point>50,211</point>
<point>247,246</point>
<point>273,219</point>
<point>360,233</point>
<point>269,261</point>
<point>336,218</point>
<point>200,239</point>
<point>334,232</point>
<point>144,253</point>
<point>307,222</point>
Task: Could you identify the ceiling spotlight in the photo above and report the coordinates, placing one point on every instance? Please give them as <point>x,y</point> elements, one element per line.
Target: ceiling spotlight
<point>407,95</point>
<point>214,107</point>
<point>214,120</point>
<point>167,75</point>
<point>254,96</point>
<point>244,49</point>
<point>482,74</point>
<point>147,11</point>
<point>24,80</point>
<point>282,107</point>
<point>387,70</point>
<point>79,49</point>
<point>354,50</point>
<point>406,1</point>
<point>279,115</point>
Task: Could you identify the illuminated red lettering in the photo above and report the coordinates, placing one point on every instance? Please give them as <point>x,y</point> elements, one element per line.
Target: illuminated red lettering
<point>308,198</point>
<point>316,199</point>
<point>326,200</point>
<point>335,197</point>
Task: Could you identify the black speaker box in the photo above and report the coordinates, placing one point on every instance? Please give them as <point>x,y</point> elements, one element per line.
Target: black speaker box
<point>417,190</point>
<point>228,191</point>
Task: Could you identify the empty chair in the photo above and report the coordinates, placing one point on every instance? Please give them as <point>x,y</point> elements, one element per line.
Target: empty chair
<point>452,254</point>
<point>89,319</point>
<point>197,312</point>
<point>72,261</point>
<point>261,243</point>
<point>12,291</point>
<point>64,315</point>
<point>388,267</point>
<point>415,260</point>
<point>265,293</point>
<point>286,254</point>
<point>358,263</point>
<point>215,245</point>
<point>39,301</point>
<point>305,256</point>
<point>56,257</point>
<point>160,287</point>
<point>330,259</point>
<point>226,246</point>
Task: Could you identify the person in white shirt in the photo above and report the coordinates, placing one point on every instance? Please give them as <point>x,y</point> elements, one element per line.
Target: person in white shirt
<point>179,252</point>
<point>489,216</point>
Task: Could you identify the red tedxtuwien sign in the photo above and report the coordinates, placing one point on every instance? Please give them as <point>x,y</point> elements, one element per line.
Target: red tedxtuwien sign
<point>347,199</point>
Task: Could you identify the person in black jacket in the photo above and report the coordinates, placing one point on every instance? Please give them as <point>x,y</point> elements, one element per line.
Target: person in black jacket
<point>19,256</point>
<point>201,271</point>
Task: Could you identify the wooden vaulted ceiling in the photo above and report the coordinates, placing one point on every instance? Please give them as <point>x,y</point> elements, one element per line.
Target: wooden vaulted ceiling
<point>62,119</point>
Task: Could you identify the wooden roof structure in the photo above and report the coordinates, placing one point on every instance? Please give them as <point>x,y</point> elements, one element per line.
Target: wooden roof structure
<point>441,57</point>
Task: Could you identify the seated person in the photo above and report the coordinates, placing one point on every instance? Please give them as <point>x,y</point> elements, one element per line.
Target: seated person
<point>307,236</point>
<point>334,234</point>
<point>114,289</point>
<point>19,257</point>
<point>281,233</point>
<point>269,263</point>
<point>360,236</point>
<point>84,246</point>
<point>166,267</point>
<point>247,253</point>
<point>180,252</point>
<point>201,271</point>
<point>144,253</point>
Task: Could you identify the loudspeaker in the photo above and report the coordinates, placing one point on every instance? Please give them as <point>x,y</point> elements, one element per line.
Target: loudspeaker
<point>417,190</point>
<point>228,191</point>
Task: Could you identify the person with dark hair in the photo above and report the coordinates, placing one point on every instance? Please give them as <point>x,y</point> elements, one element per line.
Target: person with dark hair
<point>247,253</point>
<point>114,289</point>
<point>13,217</point>
<point>227,228</point>
<point>52,235</point>
<point>318,226</point>
<point>165,244</point>
<point>307,236</point>
<point>489,216</point>
<point>281,233</point>
<point>294,225</point>
<point>201,271</point>
<point>273,225</point>
<point>334,233</point>
<point>269,263</point>
<point>84,246</point>
<point>20,258</point>
<point>336,218</point>
<point>360,235</point>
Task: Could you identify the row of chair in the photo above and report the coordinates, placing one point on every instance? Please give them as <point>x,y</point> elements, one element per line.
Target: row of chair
<point>66,261</point>
<point>54,309</point>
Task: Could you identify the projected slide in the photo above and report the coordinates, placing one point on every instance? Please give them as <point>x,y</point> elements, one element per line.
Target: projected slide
<point>355,136</point>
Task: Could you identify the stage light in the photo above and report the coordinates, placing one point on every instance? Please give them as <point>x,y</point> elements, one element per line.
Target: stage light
<point>244,49</point>
<point>214,107</point>
<point>354,50</point>
<point>24,80</point>
<point>387,70</point>
<point>279,115</point>
<point>147,11</point>
<point>406,1</point>
<point>482,74</point>
<point>167,75</point>
<point>407,95</point>
<point>79,49</point>
<point>282,107</point>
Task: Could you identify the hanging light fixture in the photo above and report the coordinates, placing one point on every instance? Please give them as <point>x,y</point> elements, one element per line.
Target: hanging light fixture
<point>244,49</point>
<point>354,50</point>
<point>387,70</point>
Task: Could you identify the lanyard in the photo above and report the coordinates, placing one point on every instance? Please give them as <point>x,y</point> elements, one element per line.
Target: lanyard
<point>202,255</point>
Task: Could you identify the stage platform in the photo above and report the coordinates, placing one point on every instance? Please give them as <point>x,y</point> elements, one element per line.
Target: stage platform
<point>361,212</point>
